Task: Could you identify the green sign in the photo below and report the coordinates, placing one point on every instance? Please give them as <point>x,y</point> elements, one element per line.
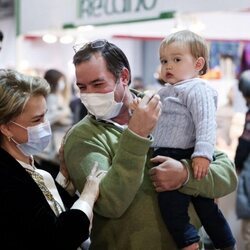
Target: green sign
<point>101,12</point>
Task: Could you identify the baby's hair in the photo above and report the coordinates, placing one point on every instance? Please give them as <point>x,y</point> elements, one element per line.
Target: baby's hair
<point>197,44</point>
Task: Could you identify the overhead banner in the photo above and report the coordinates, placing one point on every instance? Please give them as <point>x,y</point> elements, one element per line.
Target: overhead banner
<point>101,12</point>
<point>39,15</point>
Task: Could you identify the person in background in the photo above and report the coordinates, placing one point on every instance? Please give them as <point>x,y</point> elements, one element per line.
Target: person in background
<point>157,76</point>
<point>186,129</point>
<point>243,148</point>
<point>77,108</point>
<point>137,84</point>
<point>242,163</point>
<point>33,210</point>
<point>126,214</point>
<point>58,99</point>
<point>224,119</point>
<point>59,116</point>
<point>1,39</point>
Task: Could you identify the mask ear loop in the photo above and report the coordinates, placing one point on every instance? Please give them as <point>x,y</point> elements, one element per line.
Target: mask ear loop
<point>11,139</point>
<point>123,92</point>
<point>18,125</point>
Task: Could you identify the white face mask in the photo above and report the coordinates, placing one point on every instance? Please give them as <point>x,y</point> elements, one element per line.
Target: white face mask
<point>38,138</point>
<point>102,106</point>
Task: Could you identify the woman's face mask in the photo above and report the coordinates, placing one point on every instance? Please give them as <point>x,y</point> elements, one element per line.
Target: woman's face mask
<point>38,138</point>
<point>102,106</point>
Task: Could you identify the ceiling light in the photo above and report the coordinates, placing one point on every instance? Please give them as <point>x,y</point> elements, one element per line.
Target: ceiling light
<point>49,38</point>
<point>66,39</point>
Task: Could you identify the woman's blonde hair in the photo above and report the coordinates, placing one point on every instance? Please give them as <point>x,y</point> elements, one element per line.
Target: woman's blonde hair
<point>15,91</point>
<point>197,44</point>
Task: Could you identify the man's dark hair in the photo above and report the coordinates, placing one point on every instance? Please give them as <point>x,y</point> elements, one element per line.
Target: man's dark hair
<point>1,36</point>
<point>115,59</point>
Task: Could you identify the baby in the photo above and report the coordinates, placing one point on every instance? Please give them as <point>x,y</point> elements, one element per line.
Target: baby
<point>187,130</point>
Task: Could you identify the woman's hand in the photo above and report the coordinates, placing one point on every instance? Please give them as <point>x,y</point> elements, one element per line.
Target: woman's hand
<point>90,191</point>
<point>63,168</point>
<point>169,174</point>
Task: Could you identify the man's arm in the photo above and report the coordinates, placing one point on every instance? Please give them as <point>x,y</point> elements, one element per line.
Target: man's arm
<point>171,174</point>
<point>220,181</point>
<point>122,155</point>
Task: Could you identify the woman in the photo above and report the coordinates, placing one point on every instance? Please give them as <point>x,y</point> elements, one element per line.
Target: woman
<point>32,213</point>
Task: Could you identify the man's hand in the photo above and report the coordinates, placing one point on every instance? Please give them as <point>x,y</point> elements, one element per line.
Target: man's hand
<point>169,175</point>
<point>144,118</point>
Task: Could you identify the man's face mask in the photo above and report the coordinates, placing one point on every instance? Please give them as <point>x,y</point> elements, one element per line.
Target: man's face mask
<point>38,138</point>
<point>102,106</point>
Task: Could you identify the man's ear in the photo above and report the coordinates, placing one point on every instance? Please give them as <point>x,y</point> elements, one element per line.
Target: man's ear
<point>200,62</point>
<point>125,76</point>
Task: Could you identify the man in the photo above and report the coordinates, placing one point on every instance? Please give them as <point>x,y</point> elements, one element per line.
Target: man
<point>1,39</point>
<point>127,216</point>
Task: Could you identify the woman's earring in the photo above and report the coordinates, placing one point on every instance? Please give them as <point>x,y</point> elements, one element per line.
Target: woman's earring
<point>9,137</point>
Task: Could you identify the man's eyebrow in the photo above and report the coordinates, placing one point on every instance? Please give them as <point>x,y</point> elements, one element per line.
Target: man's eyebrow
<point>92,82</point>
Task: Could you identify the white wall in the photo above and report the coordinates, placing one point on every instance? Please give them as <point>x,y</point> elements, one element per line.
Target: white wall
<point>49,14</point>
<point>40,56</point>
<point>8,52</point>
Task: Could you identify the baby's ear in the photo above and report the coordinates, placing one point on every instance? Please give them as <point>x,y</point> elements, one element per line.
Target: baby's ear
<point>200,62</point>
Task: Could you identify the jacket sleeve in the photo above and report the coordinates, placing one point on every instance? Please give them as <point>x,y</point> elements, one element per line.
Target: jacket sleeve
<point>220,181</point>
<point>243,192</point>
<point>25,211</point>
<point>242,152</point>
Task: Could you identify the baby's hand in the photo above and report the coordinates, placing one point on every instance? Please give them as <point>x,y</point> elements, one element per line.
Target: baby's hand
<point>134,104</point>
<point>148,95</point>
<point>200,166</point>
